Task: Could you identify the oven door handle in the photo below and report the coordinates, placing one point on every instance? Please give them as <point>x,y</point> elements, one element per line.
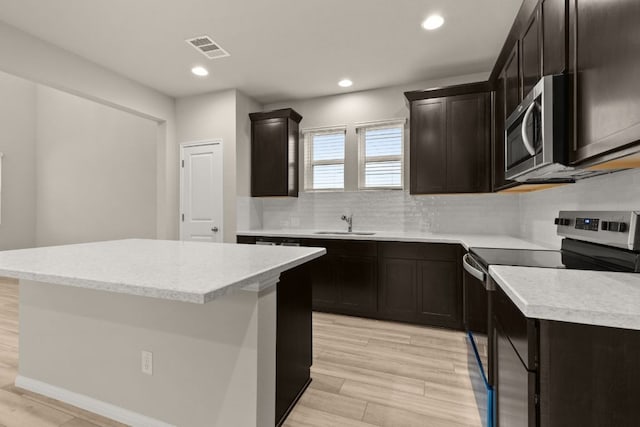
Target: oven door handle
<point>475,272</point>
<point>523,130</point>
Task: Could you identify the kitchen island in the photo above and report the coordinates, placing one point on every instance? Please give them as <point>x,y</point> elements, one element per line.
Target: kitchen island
<point>207,314</point>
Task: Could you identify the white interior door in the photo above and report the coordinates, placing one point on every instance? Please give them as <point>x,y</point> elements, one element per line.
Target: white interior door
<point>201,192</point>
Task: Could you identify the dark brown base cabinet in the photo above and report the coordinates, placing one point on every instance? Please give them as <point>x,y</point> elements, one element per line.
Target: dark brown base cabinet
<point>293,337</point>
<point>345,280</point>
<point>408,282</point>
<point>420,283</point>
<point>558,374</point>
<point>293,340</point>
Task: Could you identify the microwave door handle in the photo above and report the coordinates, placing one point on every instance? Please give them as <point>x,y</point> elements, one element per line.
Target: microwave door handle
<point>525,137</point>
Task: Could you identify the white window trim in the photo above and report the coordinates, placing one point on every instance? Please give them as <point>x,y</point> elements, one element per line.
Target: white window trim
<point>308,135</point>
<point>361,129</point>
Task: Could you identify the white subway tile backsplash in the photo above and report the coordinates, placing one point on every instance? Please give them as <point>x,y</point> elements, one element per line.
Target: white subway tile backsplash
<point>394,211</point>
<point>528,215</point>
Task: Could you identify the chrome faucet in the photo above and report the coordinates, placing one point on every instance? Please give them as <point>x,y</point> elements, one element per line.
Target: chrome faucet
<point>349,220</point>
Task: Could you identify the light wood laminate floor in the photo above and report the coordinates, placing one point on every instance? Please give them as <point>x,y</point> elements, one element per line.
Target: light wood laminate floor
<point>372,373</point>
<point>365,373</point>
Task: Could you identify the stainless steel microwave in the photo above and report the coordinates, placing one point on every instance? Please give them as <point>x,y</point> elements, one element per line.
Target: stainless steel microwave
<point>536,141</point>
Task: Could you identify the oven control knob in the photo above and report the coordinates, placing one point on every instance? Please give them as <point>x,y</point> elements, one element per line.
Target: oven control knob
<point>557,221</point>
<point>623,227</point>
<point>562,221</point>
<point>605,225</point>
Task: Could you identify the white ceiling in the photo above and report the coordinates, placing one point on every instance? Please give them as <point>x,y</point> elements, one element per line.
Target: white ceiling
<point>280,49</point>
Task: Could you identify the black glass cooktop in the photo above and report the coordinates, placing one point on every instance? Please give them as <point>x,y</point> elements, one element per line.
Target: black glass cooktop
<point>574,255</point>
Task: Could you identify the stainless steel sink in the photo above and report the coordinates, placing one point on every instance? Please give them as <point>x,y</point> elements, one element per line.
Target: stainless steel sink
<point>346,233</point>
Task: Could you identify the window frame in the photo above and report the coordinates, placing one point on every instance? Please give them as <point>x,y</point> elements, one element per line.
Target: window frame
<point>361,130</point>
<point>309,163</point>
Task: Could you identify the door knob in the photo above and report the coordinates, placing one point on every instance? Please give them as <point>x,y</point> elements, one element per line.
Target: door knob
<point>214,229</point>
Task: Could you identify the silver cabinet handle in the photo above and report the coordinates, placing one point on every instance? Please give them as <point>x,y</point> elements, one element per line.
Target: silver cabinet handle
<point>525,137</point>
<point>214,229</point>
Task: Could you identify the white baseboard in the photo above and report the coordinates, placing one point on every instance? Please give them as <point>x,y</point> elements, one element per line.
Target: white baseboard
<point>89,404</point>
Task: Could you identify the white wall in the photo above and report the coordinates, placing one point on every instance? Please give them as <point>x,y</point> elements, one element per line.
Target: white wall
<point>18,143</point>
<point>249,215</point>
<point>96,171</point>
<point>213,116</point>
<point>41,62</point>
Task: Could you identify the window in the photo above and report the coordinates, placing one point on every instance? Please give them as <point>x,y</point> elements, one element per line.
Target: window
<point>381,153</point>
<point>324,159</point>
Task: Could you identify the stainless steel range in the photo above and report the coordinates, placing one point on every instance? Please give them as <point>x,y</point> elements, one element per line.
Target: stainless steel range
<point>593,240</point>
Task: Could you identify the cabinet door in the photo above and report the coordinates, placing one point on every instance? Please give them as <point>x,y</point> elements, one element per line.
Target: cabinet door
<point>607,66</point>
<point>324,283</point>
<point>467,143</point>
<point>513,93</point>
<point>554,37</point>
<point>293,338</point>
<point>269,158</point>
<point>499,110</point>
<point>515,387</point>
<point>399,288</point>
<point>531,54</point>
<point>357,284</point>
<point>476,304</point>
<point>440,293</point>
<point>292,158</point>
<point>428,150</point>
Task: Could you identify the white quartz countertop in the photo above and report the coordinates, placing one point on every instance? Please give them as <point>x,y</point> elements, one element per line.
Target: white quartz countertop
<point>578,296</point>
<point>466,240</point>
<point>196,272</point>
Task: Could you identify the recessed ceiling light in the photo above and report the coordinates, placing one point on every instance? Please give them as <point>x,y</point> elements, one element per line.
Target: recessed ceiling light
<point>200,71</point>
<point>433,22</point>
<point>345,83</point>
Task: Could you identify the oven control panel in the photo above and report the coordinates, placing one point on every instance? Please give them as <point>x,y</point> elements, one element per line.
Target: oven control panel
<point>614,228</point>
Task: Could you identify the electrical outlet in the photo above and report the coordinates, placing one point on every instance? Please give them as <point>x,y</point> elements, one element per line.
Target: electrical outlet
<point>147,362</point>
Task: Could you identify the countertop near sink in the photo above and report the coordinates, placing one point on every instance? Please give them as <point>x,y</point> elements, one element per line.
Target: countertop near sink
<point>578,296</point>
<point>466,240</point>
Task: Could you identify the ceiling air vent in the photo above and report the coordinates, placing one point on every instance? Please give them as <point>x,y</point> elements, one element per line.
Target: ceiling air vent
<point>208,47</point>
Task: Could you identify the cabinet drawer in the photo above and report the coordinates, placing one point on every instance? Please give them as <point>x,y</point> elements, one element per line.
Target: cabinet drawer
<point>419,251</point>
<point>343,247</point>
<point>521,331</point>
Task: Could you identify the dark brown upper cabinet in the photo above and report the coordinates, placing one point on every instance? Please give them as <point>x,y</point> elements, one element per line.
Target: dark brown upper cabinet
<point>554,36</point>
<point>531,54</point>
<point>535,46</point>
<point>512,81</point>
<point>498,181</point>
<point>274,153</point>
<point>450,140</point>
<point>605,63</point>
